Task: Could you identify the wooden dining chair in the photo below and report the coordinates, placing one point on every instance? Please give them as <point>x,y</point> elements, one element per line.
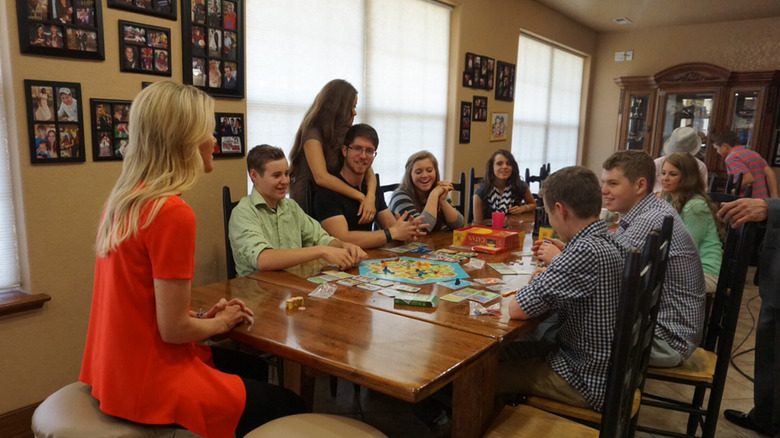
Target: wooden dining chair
<point>315,425</point>
<point>472,184</point>
<point>533,179</point>
<point>460,187</point>
<point>227,208</point>
<point>707,368</point>
<point>385,188</point>
<point>633,339</point>
<point>640,294</point>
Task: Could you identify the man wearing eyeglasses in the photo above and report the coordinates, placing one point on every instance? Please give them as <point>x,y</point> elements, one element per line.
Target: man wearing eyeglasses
<point>339,214</point>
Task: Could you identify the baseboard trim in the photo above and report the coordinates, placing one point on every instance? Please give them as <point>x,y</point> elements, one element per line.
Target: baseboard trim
<point>18,423</point>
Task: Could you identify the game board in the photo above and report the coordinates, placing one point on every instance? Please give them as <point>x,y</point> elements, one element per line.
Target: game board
<point>411,270</point>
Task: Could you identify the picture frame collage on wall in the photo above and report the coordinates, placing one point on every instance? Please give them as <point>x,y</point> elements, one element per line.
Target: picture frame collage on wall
<point>157,8</point>
<point>64,28</point>
<point>144,49</point>
<point>464,127</point>
<point>229,133</point>
<point>213,45</point>
<point>55,121</point>
<point>478,71</point>
<point>110,134</point>
<point>505,81</point>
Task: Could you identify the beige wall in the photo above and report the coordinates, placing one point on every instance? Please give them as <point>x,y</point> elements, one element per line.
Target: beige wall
<point>492,28</point>
<point>60,206</point>
<point>751,45</point>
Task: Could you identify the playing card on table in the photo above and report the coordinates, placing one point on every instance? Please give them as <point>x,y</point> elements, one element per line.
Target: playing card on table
<point>339,274</point>
<point>503,268</point>
<point>451,284</point>
<point>489,280</point>
<point>405,288</point>
<point>348,282</point>
<point>382,283</point>
<point>321,279</point>
<point>368,286</point>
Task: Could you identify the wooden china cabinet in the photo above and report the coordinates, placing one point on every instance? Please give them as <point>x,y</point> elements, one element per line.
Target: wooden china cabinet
<point>707,98</point>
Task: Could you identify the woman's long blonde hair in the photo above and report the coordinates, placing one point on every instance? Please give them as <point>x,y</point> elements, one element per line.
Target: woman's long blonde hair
<point>168,123</point>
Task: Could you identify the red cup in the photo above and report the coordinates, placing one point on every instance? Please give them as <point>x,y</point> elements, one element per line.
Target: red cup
<point>498,220</point>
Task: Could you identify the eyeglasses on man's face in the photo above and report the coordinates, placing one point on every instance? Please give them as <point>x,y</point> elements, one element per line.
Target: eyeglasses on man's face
<point>358,151</point>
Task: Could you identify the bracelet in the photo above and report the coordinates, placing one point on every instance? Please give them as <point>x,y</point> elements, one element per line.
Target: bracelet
<point>388,236</point>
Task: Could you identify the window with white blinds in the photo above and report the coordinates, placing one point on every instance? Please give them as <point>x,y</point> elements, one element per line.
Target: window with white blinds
<point>548,93</point>
<point>9,259</point>
<point>394,53</point>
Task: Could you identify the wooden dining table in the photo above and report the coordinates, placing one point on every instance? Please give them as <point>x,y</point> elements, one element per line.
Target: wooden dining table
<point>363,337</point>
<point>448,314</point>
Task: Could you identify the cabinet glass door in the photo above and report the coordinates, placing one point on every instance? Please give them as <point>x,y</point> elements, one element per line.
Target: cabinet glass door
<point>636,131</point>
<point>743,116</point>
<point>688,109</point>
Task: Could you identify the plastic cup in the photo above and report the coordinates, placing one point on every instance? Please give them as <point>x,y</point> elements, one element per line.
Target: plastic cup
<point>498,220</point>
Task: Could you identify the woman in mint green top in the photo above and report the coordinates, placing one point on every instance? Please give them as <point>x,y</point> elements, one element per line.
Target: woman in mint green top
<point>682,187</point>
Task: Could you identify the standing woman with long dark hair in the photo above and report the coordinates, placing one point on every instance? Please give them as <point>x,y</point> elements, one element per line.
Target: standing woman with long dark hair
<point>502,189</point>
<point>142,356</point>
<point>316,154</point>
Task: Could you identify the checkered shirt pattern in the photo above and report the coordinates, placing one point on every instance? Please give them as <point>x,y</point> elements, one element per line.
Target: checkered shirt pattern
<point>744,160</point>
<point>583,285</point>
<point>681,313</point>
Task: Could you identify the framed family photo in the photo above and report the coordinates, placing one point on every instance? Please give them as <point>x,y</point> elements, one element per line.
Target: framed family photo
<point>464,127</point>
<point>479,114</point>
<point>213,45</point>
<point>65,28</point>
<point>109,128</point>
<point>505,81</point>
<point>144,49</point>
<point>229,133</point>
<point>55,121</point>
<point>498,126</point>
<point>157,8</point>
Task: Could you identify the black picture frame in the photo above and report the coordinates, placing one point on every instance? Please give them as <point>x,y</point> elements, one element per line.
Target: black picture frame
<point>110,119</point>
<point>480,111</point>
<point>478,71</point>
<point>144,49</point>
<point>49,112</point>
<point>505,81</point>
<point>464,127</point>
<point>213,42</point>
<point>230,134</point>
<point>62,28</point>
<point>157,8</point>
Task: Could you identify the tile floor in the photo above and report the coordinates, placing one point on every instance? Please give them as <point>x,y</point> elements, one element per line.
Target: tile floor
<point>396,418</point>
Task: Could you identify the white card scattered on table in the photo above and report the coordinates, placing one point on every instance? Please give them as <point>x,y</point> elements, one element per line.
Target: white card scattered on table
<point>338,274</point>
<point>405,288</point>
<point>368,286</point>
<point>382,283</point>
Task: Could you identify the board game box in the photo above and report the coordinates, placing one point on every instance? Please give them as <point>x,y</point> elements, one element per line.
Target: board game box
<point>417,300</point>
<point>488,240</point>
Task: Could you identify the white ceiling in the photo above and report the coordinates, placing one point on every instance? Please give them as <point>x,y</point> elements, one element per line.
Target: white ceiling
<point>598,14</point>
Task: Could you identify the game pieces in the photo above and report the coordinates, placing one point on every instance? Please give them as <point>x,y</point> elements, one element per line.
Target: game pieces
<point>411,270</point>
<point>293,303</point>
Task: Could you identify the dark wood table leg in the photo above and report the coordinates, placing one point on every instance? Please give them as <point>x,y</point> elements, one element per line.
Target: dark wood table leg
<point>473,397</point>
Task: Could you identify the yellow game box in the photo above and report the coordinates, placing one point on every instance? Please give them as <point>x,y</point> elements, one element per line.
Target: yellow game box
<point>488,240</point>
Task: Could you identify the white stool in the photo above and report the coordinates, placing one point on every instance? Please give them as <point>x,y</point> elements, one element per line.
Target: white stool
<point>315,425</point>
<point>72,412</point>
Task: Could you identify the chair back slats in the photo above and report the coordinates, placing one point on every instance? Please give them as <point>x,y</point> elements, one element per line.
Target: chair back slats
<point>713,184</point>
<point>460,187</point>
<point>227,209</point>
<point>472,184</point>
<point>640,296</point>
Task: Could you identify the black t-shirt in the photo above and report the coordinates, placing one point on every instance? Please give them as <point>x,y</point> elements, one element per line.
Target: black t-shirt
<point>328,203</point>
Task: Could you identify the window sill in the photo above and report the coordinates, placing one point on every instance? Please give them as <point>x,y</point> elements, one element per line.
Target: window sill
<point>15,301</point>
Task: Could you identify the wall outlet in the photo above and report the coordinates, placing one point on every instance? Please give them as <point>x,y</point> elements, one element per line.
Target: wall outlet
<point>620,56</point>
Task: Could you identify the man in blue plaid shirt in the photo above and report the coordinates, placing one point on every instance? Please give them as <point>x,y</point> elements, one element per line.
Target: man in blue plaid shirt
<point>581,283</point>
<point>628,179</point>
